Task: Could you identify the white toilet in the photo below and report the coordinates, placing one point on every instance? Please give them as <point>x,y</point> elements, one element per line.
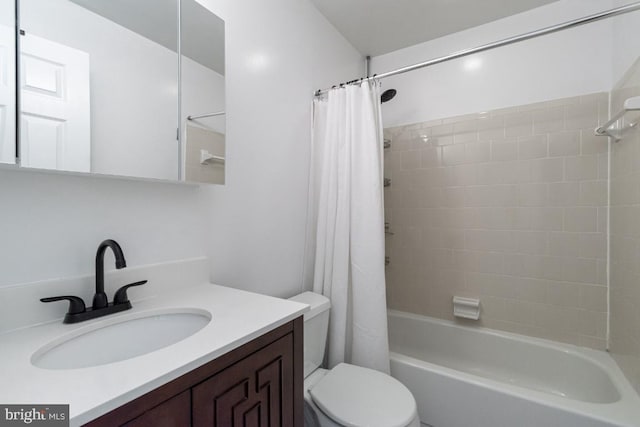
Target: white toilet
<point>347,395</point>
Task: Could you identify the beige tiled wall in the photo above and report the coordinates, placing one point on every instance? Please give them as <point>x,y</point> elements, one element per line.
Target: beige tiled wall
<point>508,206</point>
<point>625,236</point>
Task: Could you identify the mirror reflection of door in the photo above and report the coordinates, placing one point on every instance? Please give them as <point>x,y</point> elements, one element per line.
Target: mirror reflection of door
<point>7,83</point>
<point>55,119</point>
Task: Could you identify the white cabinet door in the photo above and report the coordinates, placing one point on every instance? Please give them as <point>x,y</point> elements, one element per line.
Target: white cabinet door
<point>55,125</point>
<point>7,95</point>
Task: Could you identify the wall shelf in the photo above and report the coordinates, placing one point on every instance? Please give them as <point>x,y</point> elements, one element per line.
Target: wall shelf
<point>631,104</point>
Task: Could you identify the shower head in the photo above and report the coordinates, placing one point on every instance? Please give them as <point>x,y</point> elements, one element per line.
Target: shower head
<point>388,95</point>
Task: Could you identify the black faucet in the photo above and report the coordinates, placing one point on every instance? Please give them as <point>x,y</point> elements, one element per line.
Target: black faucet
<point>101,307</point>
<point>100,298</point>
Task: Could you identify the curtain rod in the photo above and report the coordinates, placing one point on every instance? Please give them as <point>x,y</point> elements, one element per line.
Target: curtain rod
<point>632,7</point>
<point>202,116</point>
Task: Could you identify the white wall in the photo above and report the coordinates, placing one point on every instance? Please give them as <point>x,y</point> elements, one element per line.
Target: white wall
<point>560,65</point>
<point>51,225</point>
<point>626,42</point>
<point>278,53</point>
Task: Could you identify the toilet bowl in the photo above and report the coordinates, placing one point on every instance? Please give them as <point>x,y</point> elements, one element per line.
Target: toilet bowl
<point>347,395</point>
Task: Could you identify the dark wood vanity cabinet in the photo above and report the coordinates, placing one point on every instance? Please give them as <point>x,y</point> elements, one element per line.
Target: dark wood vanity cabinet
<point>258,384</point>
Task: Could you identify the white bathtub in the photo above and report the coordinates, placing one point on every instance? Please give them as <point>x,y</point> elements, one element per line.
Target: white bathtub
<point>477,377</point>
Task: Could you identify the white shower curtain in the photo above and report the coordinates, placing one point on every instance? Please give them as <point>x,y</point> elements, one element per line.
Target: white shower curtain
<point>345,239</point>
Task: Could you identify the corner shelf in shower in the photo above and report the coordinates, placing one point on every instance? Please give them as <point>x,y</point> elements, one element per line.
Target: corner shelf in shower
<point>631,104</point>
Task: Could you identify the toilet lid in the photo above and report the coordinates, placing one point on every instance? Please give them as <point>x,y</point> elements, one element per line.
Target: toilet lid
<point>353,396</point>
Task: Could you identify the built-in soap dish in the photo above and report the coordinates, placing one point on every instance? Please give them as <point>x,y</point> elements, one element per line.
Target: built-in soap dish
<point>466,308</point>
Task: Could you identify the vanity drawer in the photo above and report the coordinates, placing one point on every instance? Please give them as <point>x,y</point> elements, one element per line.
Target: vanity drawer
<point>174,412</point>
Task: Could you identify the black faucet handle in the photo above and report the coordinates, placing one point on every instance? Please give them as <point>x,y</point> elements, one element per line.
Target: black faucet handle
<point>121,294</point>
<point>76,304</point>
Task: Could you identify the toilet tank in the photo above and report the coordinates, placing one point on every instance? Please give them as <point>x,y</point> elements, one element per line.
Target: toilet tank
<point>316,327</point>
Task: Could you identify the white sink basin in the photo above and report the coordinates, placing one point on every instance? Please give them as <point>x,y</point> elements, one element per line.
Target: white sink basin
<point>120,338</point>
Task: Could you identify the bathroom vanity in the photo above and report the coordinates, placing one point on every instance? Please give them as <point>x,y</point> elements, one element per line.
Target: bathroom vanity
<point>242,361</point>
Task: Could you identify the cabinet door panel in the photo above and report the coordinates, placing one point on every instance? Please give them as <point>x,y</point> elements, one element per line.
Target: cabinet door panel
<point>256,391</point>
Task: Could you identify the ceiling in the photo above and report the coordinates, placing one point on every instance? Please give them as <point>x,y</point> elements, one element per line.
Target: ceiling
<point>202,31</point>
<point>376,27</point>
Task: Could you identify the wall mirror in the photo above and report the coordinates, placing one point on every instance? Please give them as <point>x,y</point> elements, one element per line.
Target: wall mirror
<point>106,87</point>
<point>7,82</point>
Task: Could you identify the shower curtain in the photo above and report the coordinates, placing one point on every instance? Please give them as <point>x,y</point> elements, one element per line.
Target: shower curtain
<point>345,239</point>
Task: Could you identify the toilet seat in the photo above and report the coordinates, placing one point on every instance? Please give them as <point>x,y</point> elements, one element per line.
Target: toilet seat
<point>354,396</point>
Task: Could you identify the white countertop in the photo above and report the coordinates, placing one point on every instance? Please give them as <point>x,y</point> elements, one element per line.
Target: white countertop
<point>237,318</point>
